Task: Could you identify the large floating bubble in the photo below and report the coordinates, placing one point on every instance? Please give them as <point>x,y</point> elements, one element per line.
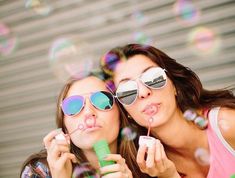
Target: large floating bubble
<point>70,58</point>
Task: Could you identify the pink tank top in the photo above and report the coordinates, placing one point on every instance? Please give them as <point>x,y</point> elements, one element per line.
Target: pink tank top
<point>222,155</point>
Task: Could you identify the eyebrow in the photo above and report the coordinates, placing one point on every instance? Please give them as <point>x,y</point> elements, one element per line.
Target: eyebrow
<point>128,78</point>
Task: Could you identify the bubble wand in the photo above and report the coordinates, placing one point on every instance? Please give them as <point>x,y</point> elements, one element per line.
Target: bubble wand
<point>147,140</point>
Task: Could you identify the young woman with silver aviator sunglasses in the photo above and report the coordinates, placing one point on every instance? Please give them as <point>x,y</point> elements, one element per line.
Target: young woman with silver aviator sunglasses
<point>168,98</point>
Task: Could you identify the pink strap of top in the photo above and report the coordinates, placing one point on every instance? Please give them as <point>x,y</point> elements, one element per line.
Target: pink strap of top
<point>222,155</point>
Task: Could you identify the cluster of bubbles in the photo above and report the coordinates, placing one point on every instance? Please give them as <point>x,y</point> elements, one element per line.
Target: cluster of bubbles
<point>85,170</point>
<point>40,7</point>
<point>8,42</point>
<point>70,58</point>
<point>128,133</point>
<point>204,41</point>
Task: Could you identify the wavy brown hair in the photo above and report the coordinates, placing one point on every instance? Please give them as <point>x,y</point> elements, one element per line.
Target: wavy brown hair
<point>190,92</point>
<point>125,147</point>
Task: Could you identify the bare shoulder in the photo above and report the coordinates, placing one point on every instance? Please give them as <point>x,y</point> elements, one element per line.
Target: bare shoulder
<point>226,122</point>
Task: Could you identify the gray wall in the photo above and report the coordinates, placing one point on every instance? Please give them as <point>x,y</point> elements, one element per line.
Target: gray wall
<point>28,87</point>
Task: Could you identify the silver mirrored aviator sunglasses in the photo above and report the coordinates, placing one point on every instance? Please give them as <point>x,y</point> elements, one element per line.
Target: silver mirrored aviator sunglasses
<point>153,78</point>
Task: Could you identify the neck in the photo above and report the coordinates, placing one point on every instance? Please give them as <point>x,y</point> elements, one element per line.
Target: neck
<point>180,136</point>
<point>91,155</point>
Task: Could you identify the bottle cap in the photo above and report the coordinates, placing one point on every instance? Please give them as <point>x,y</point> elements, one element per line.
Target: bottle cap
<point>147,140</point>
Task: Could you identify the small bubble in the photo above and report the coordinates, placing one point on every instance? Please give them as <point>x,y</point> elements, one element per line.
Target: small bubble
<point>224,125</point>
<point>80,127</point>
<point>110,60</point>
<point>202,156</point>
<point>90,122</point>
<point>40,7</point>
<point>142,38</point>
<point>186,13</point>
<point>190,115</point>
<point>151,120</point>
<point>139,18</point>
<point>8,41</point>
<point>85,170</point>
<point>203,41</point>
<point>201,122</point>
<point>128,133</point>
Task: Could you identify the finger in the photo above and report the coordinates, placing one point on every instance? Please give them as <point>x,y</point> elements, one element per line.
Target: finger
<point>56,149</point>
<point>49,137</point>
<point>65,157</point>
<point>116,175</point>
<point>165,160</point>
<point>150,161</point>
<point>112,168</point>
<point>115,157</point>
<point>158,156</point>
<point>140,157</point>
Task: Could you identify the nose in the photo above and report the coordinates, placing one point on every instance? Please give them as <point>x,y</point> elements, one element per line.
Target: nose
<point>144,91</point>
<point>89,109</point>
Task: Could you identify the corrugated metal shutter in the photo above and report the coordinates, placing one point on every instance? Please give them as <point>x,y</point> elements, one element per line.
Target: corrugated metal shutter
<point>28,88</point>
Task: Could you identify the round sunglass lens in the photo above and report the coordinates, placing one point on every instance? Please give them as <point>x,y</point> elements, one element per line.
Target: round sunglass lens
<point>127,92</point>
<point>102,100</point>
<point>72,105</point>
<point>154,77</point>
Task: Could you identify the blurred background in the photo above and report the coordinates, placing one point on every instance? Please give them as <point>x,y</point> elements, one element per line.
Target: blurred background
<point>42,43</point>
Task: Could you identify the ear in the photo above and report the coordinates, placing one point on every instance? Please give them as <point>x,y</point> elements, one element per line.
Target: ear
<point>175,91</point>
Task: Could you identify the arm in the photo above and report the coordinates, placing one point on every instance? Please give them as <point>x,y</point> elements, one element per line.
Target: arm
<point>226,124</point>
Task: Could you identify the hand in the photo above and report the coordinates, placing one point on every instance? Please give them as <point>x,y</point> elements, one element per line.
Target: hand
<point>157,163</point>
<point>118,170</point>
<point>58,156</point>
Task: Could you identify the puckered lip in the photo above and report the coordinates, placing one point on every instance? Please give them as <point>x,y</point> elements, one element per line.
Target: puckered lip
<point>93,128</point>
<point>151,109</point>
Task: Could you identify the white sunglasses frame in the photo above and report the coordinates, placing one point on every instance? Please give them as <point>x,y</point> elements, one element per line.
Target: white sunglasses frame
<point>137,86</point>
<point>84,102</point>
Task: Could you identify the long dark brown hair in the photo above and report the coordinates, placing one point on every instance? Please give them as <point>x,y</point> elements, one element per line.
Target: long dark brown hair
<point>190,92</point>
<point>125,147</point>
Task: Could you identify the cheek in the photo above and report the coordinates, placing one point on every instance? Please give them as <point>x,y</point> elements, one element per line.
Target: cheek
<point>70,124</point>
<point>114,117</point>
<point>135,114</point>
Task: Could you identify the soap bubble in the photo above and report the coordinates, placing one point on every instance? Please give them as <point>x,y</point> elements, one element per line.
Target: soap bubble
<point>85,170</point>
<point>40,7</point>
<point>186,13</point>
<point>142,38</point>
<point>203,41</point>
<point>8,41</point>
<point>202,156</point>
<point>70,58</point>
<point>128,133</point>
